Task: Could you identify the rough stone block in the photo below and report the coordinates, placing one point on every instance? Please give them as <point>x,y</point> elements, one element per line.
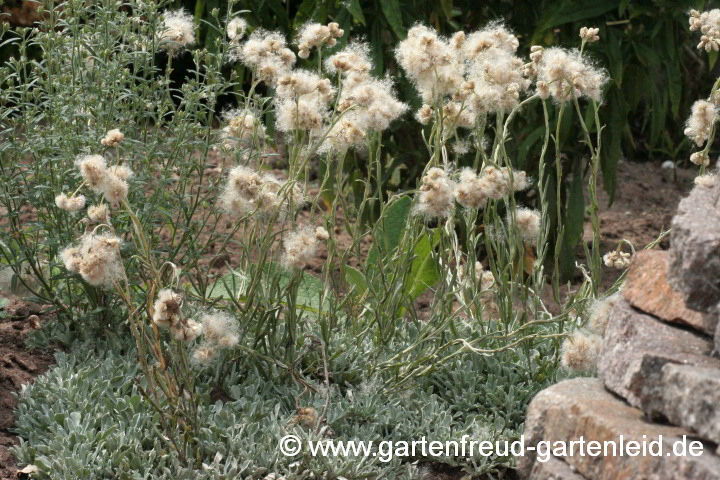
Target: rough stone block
<point>636,348</point>
<point>691,398</point>
<point>647,289</point>
<point>553,469</point>
<point>581,407</point>
<point>695,248</point>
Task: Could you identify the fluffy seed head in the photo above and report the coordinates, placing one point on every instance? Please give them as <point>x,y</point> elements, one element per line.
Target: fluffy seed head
<point>708,23</point>
<point>437,196</point>
<point>580,352</point>
<point>236,29</point>
<point>528,223</point>
<point>567,73</point>
<point>178,31</point>
<point>299,247</point>
<point>706,181</point>
<point>322,234</point>
<point>186,330</point>
<point>70,204</point>
<point>220,329</point>
<point>97,259</point>
<point>112,138</point>
<point>93,169</point>
<point>166,309</point>
<point>469,191</point>
<point>703,117</point>
<point>354,58</point>
<point>99,213</point>
<point>600,312</point>
<point>115,189</point>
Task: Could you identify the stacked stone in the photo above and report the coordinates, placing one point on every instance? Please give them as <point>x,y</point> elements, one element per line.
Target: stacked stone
<point>659,370</point>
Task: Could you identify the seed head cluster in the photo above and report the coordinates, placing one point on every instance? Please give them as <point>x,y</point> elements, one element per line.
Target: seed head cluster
<point>167,313</point>
<point>437,195</point>
<point>267,54</point>
<point>113,138</point>
<point>178,32</point>
<point>317,35</point>
<point>301,245</point>
<point>220,331</point>
<point>248,191</point>
<point>111,182</point>
<point>96,258</point>
<point>70,204</point>
<point>617,259</point>
<point>708,23</point>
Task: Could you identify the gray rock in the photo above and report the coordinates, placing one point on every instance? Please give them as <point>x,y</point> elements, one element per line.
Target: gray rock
<point>695,248</point>
<point>691,398</point>
<point>635,350</point>
<point>553,469</point>
<point>582,408</point>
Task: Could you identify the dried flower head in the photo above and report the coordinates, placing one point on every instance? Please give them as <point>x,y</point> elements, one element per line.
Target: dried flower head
<point>93,169</point>
<point>599,313</point>
<point>353,59</point>
<point>96,258</point>
<point>178,31</point>
<point>186,330</point>
<point>322,234</point>
<point>299,247</point>
<point>99,213</point>
<point>243,127</point>
<point>123,172</point>
<point>114,188</point>
<point>589,35</point>
<point>430,62</point>
<point>70,204</point>
<point>437,196</point>
<point>220,330</point>
<point>706,181</point>
<point>617,259</point>
<point>112,138</point>
<point>236,29</point>
<point>701,159</point>
<point>580,352</point>
<point>567,73</point>
<point>317,35</point>
<point>709,25</point>
<point>469,191</point>
<point>699,124</point>
<point>267,54</point>
<point>425,114</point>
<point>167,308</point>
<point>528,223</point>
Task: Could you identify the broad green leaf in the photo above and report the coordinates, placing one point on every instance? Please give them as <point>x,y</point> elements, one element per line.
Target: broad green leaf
<point>674,85</point>
<point>355,10</point>
<point>612,135</point>
<point>424,272</point>
<point>393,15</point>
<point>447,8</point>
<point>357,279</point>
<point>527,144</point>
<point>570,11</point>
<point>390,228</point>
<point>712,58</point>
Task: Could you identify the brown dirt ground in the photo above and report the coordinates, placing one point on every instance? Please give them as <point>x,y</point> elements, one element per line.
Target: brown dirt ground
<point>18,367</point>
<point>645,202</point>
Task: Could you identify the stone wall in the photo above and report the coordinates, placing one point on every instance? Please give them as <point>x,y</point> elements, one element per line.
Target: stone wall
<point>659,370</point>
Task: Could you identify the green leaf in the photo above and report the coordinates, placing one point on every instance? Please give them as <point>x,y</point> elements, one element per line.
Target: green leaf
<point>674,87</point>
<point>575,217</point>
<point>712,58</point>
<point>527,144</point>
<point>393,15</point>
<point>424,272</point>
<point>390,228</point>
<point>357,279</point>
<point>570,11</point>
<point>355,10</point>
<point>447,8</point>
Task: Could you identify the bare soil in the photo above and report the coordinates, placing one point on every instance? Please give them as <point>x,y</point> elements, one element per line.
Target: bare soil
<point>18,366</point>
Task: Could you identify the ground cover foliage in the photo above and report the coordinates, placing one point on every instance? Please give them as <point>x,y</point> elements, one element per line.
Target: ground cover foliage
<point>174,261</point>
